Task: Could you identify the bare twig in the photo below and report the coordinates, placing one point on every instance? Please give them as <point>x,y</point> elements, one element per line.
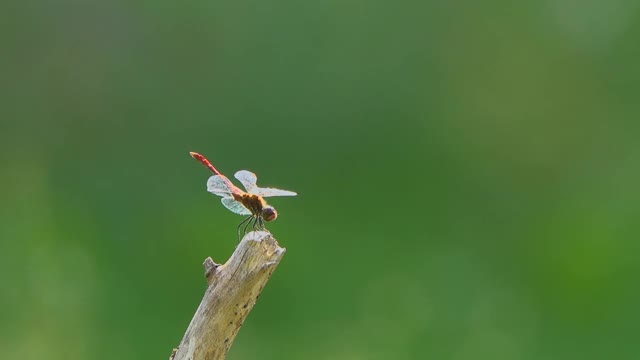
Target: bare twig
<point>233,289</point>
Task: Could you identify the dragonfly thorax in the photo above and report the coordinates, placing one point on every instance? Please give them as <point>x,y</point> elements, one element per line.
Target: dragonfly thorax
<point>258,206</point>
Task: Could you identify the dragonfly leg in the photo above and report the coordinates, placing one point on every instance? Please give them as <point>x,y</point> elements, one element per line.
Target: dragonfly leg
<point>252,219</point>
<point>260,224</point>
<point>240,225</point>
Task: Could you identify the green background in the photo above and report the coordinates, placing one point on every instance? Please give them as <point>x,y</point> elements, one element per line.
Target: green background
<point>467,173</point>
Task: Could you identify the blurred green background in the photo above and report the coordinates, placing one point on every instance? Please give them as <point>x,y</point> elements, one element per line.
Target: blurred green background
<point>468,175</point>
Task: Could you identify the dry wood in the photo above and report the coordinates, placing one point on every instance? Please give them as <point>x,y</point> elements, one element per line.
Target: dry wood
<point>233,289</point>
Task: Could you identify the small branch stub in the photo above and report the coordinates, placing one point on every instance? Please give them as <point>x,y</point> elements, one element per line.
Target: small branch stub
<point>233,289</point>
<point>210,268</point>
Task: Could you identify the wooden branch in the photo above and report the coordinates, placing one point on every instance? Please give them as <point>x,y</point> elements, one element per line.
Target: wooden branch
<point>233,289</point>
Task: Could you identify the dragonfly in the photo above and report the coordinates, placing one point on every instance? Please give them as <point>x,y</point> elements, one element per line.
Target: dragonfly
<point>250,202</point>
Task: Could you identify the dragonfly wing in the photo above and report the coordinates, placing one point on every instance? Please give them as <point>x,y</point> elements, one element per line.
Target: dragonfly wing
<point>268,192</point>
<point>219,185</point>
<point>235,206</point>
<point>247,178</point>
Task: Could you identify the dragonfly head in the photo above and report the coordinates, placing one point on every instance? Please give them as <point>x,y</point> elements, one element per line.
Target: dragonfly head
<point>269,213</point>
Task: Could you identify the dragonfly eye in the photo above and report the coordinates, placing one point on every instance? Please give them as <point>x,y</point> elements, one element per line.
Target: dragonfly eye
<point>269,213</point>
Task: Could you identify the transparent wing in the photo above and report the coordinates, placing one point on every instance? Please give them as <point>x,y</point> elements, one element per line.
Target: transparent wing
<point>235,206</point>
<point>220,185</point>
<point>247,178</point>
<point>268,192</point>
